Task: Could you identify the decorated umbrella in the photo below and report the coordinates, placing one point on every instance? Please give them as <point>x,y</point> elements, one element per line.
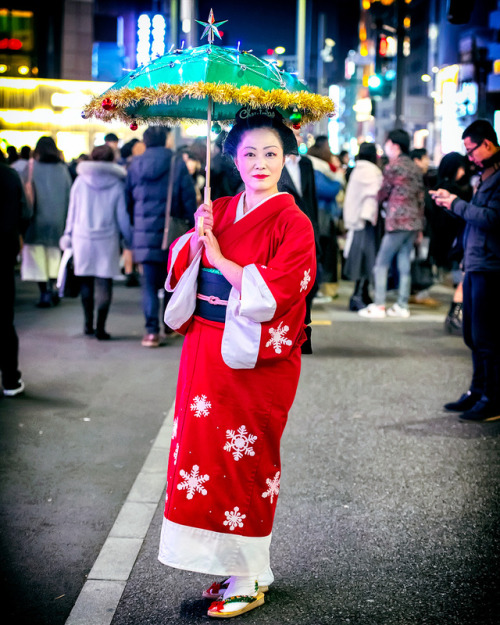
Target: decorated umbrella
<point>208,82</point>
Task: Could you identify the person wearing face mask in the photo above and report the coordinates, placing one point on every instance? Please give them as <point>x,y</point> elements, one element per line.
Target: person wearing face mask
<point>481,284</point>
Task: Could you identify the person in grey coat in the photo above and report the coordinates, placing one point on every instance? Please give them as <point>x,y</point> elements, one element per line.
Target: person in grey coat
<point>147,184</point>
<point>41,255</point>
<point>97,217</point>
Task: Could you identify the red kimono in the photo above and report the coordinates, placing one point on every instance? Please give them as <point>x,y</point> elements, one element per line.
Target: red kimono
<point>237,382</point>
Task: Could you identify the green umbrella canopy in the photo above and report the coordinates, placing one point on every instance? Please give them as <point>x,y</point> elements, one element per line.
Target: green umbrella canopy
<point>183,85</point>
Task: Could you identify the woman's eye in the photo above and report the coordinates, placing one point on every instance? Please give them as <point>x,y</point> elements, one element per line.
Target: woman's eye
<point>271,154</point>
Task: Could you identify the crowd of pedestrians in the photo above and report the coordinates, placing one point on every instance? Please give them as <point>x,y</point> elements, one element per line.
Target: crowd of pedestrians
<point>377,220</point>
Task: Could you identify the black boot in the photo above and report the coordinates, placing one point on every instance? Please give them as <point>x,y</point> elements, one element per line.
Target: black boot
<point>453,321</point>
<point>488,407</point>
<point>88,312</point>
<point>365,293</point>
<point>357,301</point>
<point>100,332</point>
<point>465,402</point>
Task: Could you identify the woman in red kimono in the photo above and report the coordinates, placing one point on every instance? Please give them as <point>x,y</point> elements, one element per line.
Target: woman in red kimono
<point>239,296</point>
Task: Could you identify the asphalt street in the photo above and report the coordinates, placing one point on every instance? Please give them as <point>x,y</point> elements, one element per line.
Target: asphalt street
<point>389,508</point>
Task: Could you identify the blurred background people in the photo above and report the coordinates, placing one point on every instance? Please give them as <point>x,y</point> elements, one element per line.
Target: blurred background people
<point>297,178</point>
<point>447,243</point>
<point>112,141</point>
<point>21,163</point>
<point>14,216</point>
<point>147,183</point>
<point>12,155</point>
<point>41,255</point>
<point>360,219</point>
<point>328,185</point>
<point>128,152</point>
<point>422,274</point>
<point>74,164</point>
<point>194,167</point>
<point>225,179</point>
<point>97,217</point>
<point>402,193</point>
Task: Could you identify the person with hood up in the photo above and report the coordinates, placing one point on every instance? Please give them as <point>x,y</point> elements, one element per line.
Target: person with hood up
<point>97,216</point>
<point>147,185</point>
<point>360,220</point>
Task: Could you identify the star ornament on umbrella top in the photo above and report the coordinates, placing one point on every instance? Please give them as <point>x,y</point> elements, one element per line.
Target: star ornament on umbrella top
<point>211,27</point>
<point>210,83</point>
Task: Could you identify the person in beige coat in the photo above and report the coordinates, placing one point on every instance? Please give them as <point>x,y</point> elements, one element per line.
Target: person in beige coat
<point>360,220</point>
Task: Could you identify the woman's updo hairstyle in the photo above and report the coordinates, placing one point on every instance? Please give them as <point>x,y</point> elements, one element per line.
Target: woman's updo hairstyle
<point>251,119</point>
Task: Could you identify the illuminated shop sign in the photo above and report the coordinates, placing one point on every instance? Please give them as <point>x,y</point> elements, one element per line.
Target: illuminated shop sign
<point>151,31</point>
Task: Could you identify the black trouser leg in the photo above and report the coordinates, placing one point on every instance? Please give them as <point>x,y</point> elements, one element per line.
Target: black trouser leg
<point>481,329</point>
<point>358,288</point>
<point>87,295</point>
<point>104,292</point>
<point>9,341</point>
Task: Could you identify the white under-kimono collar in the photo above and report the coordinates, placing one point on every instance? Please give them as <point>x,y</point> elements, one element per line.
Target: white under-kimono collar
<point>241,202</point>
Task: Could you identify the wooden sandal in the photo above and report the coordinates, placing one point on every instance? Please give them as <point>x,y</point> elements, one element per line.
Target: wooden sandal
<point>217,589</point>
<point>250,602</point>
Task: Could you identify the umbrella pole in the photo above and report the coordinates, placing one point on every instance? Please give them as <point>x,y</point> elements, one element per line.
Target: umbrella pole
<point>207,194</point>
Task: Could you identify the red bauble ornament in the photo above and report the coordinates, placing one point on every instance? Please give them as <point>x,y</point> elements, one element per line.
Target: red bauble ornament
<point>134,126</point>
<point>296,126</point>
<point>107,104</point>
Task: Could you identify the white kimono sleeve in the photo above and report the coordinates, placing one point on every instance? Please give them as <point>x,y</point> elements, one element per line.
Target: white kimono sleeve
<point>244,316</point>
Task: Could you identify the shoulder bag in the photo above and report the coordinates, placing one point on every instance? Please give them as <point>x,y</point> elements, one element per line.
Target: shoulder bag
<point>175,227</point>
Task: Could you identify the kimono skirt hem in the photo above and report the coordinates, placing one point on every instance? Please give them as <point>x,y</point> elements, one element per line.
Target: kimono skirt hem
<point>224,464</point>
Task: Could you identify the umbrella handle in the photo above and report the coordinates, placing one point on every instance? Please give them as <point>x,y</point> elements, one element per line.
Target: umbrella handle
<point>206,192</point>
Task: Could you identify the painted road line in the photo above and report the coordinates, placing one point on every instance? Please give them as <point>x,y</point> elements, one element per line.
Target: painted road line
<point>99,597</point>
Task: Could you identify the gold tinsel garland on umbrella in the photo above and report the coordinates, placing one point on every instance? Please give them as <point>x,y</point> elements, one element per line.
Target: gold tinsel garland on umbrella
<point>311,106</point>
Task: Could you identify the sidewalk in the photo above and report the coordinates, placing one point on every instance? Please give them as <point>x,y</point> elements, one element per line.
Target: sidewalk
<point>389,508</point>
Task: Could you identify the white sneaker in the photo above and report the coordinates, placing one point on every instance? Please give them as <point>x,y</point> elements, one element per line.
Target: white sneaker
<point>12,392</point>
<point>397,311</point>
<point>320,298</point>
<point>372,312</point>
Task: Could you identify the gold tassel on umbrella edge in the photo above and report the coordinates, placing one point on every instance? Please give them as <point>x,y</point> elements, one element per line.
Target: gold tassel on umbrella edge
<point>311,106</point>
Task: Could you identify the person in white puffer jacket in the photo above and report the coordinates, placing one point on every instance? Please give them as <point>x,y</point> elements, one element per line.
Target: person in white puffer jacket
<point>97,216</point>
<point>360,220</point>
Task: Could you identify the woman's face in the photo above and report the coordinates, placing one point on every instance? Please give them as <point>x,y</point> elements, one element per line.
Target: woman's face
<point>260,160</point>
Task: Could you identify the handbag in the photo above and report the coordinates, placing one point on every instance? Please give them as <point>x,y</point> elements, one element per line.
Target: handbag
<point>29,187</point>
<point>175,227</point>
<point>68,285</point>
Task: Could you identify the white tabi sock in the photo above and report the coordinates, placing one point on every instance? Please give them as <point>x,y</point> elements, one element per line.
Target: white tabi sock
<point>240,586</point>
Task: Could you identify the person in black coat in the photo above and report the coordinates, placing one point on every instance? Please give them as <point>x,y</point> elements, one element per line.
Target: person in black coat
<point>147,184</point>
<point>481,285</point>
<point>14,218</point>
<point>447,243</point>
<point>297,178</point>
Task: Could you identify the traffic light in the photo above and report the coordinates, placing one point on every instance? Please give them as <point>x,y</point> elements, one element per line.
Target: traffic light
<point>379,86</point>
<point>382,45</point>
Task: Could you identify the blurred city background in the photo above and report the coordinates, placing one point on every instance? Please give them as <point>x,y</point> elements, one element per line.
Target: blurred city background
<point>430,66</point>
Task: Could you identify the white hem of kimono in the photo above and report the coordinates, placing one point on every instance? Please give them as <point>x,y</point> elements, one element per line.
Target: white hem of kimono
<point>214,553</point>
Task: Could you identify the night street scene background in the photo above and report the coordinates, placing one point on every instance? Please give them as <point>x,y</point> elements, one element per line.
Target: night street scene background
<point>389,508</point>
